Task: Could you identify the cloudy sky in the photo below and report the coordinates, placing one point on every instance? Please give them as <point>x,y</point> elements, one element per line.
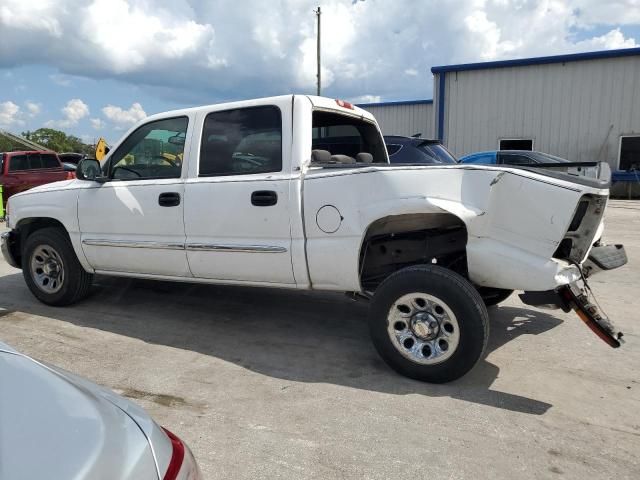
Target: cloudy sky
<point>95,67</point>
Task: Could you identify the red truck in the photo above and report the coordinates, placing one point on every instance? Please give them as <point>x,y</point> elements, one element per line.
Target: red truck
<point>21,171</point>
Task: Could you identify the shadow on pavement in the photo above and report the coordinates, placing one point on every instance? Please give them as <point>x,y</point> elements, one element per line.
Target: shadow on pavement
<point>291,335</point>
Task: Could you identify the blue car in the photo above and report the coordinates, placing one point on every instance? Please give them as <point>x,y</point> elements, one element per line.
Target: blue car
<point>510,157</point>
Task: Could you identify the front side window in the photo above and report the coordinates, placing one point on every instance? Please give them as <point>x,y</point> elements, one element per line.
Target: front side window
<point>18,162</point>
<point>241,141</point>
<point>49,161</point>
<point>154,150</point>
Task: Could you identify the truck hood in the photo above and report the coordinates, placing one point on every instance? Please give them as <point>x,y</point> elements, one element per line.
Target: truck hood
<point>56,427</point>
<point>49,186</point>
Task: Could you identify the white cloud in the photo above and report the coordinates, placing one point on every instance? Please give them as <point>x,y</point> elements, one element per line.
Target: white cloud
<point>610,40</point>
<point>10,114</point>
<point>33,108</point>
<point>124,118</point>
<point>97,123</point>
<point>74,111</point>
<point>366,99</point>
<point>61,80</point>
<point>202,51</point>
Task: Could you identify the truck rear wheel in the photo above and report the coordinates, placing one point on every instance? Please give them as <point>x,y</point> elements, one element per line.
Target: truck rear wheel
<point>52,270</point>
<point>429,323</point>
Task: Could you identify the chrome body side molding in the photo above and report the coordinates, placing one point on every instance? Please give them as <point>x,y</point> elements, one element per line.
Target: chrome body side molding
<point>192,247</point>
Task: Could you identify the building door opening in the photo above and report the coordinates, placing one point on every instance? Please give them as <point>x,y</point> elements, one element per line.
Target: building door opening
<point>516,144</point>
<point>629,158</point>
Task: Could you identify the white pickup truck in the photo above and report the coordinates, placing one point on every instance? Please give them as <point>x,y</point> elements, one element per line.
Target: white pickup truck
<point>297,192</point>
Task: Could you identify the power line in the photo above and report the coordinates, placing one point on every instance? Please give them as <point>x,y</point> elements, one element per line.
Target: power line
<point>318,75</point>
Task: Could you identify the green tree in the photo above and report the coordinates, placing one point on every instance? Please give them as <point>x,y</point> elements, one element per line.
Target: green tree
<point>58,141</point>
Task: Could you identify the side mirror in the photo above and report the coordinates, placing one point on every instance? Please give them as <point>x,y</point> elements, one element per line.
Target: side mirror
<point>89,169</point>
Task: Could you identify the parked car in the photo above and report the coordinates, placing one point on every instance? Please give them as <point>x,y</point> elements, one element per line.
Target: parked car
<point>264,193</point>
<point>70,168</point>
<point>417,150</point>
<point>57,425</point>
<point>534,159</point>
<point>20,171</point>
<point>71,157</point>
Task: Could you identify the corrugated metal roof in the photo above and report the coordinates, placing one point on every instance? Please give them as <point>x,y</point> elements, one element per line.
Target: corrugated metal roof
<point>523,62</point>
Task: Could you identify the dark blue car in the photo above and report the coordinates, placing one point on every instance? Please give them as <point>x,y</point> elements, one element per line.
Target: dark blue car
<point>417,150</point>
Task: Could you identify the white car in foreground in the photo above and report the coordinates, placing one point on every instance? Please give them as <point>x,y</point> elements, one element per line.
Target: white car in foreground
<point>57,426</point>
<point>297,192</point>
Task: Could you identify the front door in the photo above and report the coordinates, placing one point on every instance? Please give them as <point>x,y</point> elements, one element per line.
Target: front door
<point>134,223</point>
<point>237,210</point>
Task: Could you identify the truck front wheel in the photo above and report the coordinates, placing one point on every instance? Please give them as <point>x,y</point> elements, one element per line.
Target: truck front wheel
<point>429,323</point>
<point>52,270</point>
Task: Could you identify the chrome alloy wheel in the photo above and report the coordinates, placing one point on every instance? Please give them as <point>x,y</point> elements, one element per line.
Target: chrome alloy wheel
<point>47,269</point>
<point>423,328</point>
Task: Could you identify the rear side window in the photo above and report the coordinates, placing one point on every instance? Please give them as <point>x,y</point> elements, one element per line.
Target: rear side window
<point>241,141</point>
<point>438,152</point>
<point>49,161</point>
<point>513,159</point>
<point>344,137</point>
<point>18,162</point>
<point>35,162</point>
<point>392,149</point>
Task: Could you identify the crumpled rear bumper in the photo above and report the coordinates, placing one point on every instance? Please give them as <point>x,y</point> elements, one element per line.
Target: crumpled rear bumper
<point>577,295</point>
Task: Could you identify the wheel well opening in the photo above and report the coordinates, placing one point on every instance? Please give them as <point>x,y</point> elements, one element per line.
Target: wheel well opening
<point>399,241</point>
<point>27,226</point>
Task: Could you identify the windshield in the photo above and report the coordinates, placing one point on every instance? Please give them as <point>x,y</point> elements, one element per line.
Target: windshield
<point>438,152</point>
<point>338,138</point>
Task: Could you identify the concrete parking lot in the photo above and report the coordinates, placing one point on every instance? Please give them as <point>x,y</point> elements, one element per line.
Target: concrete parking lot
<point>278,384</point>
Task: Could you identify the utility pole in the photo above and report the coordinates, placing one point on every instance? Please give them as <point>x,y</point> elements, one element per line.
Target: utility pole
<point>318,13</point>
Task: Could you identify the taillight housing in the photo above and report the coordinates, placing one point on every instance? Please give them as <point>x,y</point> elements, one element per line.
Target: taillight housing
<point>182,465</point>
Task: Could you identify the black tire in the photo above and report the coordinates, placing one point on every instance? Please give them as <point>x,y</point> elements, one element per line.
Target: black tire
<point>77,281</point>
<point>493,296</point>
<point>459,296</point>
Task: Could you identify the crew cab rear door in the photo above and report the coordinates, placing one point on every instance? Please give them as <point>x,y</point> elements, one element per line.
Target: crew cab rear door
<point>237,208</point>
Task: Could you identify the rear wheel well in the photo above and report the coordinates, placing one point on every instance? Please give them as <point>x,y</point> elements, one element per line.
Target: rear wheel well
<point>27,226</point>
<point>398,241</point>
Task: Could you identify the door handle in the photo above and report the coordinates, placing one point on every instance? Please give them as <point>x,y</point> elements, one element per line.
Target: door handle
<point>169,199</point>
<point>264,198</point>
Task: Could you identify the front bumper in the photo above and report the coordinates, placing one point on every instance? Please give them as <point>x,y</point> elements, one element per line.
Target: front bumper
<point>6,243</point>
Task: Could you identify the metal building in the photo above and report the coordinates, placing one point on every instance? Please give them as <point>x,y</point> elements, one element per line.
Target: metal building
<point>404,118</point>
<point>581,107</point>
